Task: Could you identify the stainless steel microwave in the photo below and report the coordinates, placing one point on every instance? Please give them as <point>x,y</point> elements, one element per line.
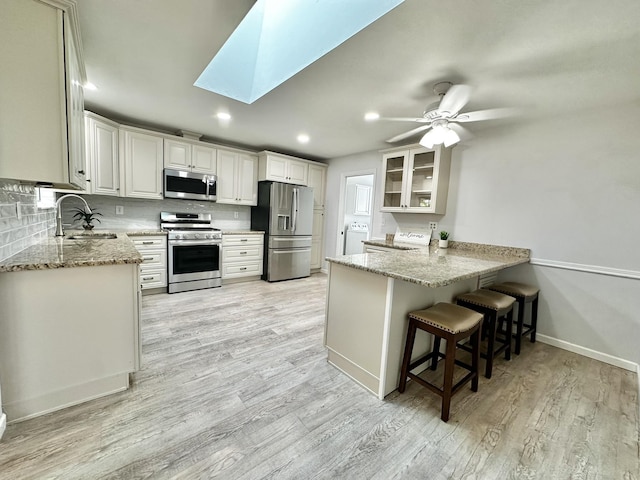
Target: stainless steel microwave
<point>189,185</point>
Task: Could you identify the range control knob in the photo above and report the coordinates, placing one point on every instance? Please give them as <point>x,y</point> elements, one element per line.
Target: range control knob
<point>177,236</point>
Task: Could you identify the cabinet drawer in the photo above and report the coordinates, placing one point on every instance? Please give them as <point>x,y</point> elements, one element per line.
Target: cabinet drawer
<point>240,240</point>
<point>241,254</point>
<point>142,243</point>
<point>241,269</point>
<point>153,278</point>
<point>153,259</point>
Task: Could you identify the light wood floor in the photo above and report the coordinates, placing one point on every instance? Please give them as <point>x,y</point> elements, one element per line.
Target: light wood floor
<point>235,385</point>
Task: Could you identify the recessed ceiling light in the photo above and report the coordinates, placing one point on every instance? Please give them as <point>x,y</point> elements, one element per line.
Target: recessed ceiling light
<point>303,138</point>
<point>371,116</point>
<point>223,116</point>
<point>90,86</point>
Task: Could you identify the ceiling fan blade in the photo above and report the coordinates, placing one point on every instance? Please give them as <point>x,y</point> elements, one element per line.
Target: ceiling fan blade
<point>406,119</point>
<point>404,135</point>
<point>491,114</point>
<point>456,97</point>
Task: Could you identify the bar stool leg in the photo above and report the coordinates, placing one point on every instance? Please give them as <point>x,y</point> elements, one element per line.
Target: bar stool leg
<point>519,325</point>
<point>435,353</point>
<point>507,351</point>
<point>411,337</point>
<point>449,363</point>
<point>475,358</point>
<point>534,319</point>
<point>491,340</point>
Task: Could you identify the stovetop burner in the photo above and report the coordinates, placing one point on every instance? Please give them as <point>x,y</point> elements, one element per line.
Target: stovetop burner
<point>189,226</point>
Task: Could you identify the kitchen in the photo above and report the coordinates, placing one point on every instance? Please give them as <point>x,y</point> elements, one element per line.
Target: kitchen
<point>559,181</point>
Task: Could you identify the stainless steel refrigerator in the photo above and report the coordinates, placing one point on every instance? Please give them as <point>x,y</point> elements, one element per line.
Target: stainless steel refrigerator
<point>285,213</point>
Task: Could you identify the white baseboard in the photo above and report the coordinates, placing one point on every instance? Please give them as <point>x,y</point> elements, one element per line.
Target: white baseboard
<point>587,352</point>
<point>3,424</point>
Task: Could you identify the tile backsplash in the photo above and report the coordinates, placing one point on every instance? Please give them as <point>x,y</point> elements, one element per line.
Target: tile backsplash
<point>22,224</point>
<point>144,214</point>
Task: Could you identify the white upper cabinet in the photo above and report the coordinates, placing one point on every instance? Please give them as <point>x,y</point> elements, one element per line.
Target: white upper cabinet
<point>237,178</point>
<point>416,179</point>
<point>102,155</point>
<point>283,168</point>
<point>192,157</point>
<point>41,104</point>
<point>203,159</point>
<point>142,160</point>
<point>318,181</point>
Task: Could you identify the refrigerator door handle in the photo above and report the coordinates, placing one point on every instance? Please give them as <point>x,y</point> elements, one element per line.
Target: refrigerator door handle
<point>294,207</point>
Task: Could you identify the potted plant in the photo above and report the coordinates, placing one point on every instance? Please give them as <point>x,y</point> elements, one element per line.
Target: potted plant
<point>86,216</point>
<point>444,239</point>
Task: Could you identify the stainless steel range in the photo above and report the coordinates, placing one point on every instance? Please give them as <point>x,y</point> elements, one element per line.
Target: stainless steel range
<point>194,251</point>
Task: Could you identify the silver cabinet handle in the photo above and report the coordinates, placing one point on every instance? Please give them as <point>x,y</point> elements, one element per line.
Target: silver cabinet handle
<point>147,243</point>
<point>243,253</point>
<point>147,258</point>
<point>147,278</point>
<point>243,268</point>
<point>243,239</point>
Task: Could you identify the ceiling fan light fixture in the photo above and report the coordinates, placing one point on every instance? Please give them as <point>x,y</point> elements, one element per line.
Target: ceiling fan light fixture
<point>450,137</point>
<point>439,134</point>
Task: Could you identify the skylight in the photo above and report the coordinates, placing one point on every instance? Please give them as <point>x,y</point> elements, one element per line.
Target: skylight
<point>278,38</point>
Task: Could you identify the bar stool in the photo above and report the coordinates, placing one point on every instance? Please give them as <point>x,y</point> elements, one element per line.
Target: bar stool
<point>523,294</point>
<point>496,308</point>
<point>452,323</point>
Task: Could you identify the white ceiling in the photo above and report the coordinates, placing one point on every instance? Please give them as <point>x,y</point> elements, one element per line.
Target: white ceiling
<point>548,57</point>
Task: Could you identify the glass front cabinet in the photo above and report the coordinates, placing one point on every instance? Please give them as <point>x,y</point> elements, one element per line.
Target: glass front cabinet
<point>416,179</point>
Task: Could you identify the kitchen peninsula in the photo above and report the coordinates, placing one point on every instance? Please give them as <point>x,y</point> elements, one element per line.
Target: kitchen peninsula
<point>70,322</point>
<point>370,294</point>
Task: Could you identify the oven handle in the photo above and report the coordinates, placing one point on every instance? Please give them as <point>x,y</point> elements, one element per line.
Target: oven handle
<point>173,243</point>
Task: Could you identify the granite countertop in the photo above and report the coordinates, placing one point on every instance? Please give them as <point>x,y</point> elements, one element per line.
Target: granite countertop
<point>63,252</point>
<point>434,267</point>
<point>242,232</point>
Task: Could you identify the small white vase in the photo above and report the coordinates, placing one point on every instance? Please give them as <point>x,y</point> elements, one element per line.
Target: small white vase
<point>443,243</point>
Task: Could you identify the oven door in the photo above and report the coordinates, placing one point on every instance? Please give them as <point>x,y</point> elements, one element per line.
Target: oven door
<point>189,260</point>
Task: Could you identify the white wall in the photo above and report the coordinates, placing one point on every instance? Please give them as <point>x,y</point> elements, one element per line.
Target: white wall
<point>567,187</point>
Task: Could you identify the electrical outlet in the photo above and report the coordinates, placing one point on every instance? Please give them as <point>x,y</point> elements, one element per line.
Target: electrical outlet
<point>433,225</point>
<point>119,210</point>
<point>235,214</point>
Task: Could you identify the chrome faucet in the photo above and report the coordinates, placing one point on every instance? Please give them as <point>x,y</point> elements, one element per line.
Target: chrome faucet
<point>59,230</point>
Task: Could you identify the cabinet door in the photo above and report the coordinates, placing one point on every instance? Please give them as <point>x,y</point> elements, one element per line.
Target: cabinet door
<point>177,154</point>
<point>75,112</point>
<point>203,159</point>
<point>394,168</point>
<point>298,172</point>
<point>142,158</point>
<point>419,180</point>
<point>226,186</point>
<point>33,143</point>
<point>316,238</point>
<point>247,180</point>
<point>276,168</point>
<point>317,180</point>
<point>103,158</point>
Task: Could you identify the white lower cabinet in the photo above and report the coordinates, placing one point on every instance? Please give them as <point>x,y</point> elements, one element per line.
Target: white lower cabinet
<point>153,269</point>
<point>242,256</point>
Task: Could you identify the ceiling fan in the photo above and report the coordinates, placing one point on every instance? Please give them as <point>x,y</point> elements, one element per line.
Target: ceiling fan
<point>442,117</point>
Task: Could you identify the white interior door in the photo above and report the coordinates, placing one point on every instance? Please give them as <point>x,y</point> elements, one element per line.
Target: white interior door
<point>356,203</point>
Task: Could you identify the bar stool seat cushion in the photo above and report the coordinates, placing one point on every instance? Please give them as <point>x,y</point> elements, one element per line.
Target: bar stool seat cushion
<point>448,317</point>
<point>488,299</point>
<point>515,289</point>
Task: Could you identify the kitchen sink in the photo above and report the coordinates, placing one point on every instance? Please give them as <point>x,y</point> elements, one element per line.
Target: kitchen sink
<point>92,236</point>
